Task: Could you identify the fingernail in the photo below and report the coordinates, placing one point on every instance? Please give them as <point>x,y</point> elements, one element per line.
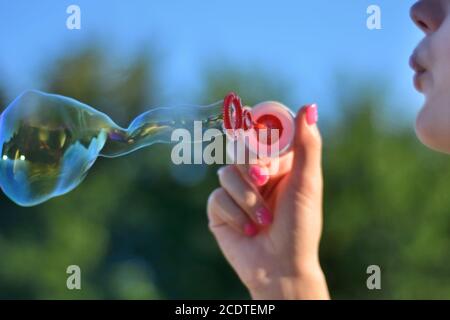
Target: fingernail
<point>250,230</point>
<point>263,216</point>
<point>259,175</point>
<point>311,114</point>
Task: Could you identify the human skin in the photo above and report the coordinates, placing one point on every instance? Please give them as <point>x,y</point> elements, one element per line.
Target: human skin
<point>431,61</point>
<point>275,250</point>
<point>269,226</point>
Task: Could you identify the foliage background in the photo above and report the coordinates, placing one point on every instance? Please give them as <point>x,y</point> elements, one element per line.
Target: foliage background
<point>137,225</point>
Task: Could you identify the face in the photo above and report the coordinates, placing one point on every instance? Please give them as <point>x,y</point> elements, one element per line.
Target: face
<point>431,62</point>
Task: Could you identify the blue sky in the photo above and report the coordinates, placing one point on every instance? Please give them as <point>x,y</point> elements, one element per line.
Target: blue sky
<point>305,42</point>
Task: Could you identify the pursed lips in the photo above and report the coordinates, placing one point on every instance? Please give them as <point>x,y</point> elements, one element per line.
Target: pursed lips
<point>420,71</point>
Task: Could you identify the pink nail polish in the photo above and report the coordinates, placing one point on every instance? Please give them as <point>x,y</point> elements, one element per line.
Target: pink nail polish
<point>259,175</point>
<point>250,230</point>
<point>312,115</point>
<point>263,216</point>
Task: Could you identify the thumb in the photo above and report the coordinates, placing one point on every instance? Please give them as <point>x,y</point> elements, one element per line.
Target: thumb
<point>307,144</point>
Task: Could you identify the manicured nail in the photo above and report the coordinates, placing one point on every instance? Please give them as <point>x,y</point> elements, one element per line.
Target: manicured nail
<point>250,230</point>
<point>311,114</point>
<point>259,175</point>
<point>263,216</point>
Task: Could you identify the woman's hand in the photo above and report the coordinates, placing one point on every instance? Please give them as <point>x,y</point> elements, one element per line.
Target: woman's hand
<point>268,222</point>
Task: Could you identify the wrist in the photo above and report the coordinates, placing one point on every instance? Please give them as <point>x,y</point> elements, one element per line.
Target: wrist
<point>308,284</point>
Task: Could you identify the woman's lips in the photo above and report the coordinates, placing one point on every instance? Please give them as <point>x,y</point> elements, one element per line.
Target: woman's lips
<point>420,73</point>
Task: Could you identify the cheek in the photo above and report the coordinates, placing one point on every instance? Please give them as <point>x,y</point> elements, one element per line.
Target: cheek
<point>433,125</point>
<point>433,121</point>
<point>440,56</point>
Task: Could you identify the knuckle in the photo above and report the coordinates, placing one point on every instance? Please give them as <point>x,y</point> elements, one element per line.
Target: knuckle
<point>225,173</point>
<point>250,199</point>
<point>227,170</point>
<point>312,184</point>
<point>214,198</point>
<point>318,138</point>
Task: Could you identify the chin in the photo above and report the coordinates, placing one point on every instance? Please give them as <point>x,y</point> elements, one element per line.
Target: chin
<point>429,130</point>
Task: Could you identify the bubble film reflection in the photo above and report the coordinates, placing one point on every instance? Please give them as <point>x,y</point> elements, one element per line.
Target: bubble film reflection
<point>48,142</point>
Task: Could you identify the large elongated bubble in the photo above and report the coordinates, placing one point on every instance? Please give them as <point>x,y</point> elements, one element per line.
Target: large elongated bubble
<point>48,142</point>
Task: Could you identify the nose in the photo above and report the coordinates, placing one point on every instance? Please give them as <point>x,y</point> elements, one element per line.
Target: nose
<point>427,15</point>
